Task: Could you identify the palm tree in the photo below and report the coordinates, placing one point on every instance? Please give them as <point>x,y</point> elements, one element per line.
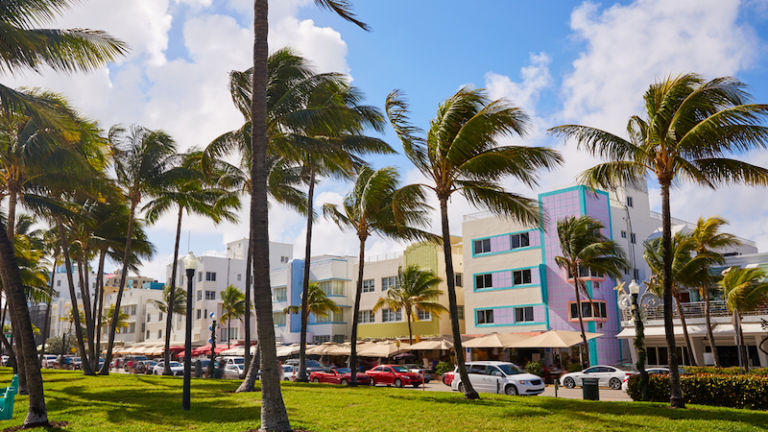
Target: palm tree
<point>585,249</point>
<point>690,127</point>
<point>318,304</point>
<point>377,205</point>
<point>195,192</point>
<point>461,154</point>
<point>232,307</point>
<point>744,290</point>
<point>142,162</point>
<point>707,238</point>
<point>177,301</point>
<point>121,319</point>
<point>415,292</point>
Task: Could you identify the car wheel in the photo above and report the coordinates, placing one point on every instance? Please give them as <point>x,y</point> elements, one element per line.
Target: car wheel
<point>316,380</point>
<point>343,382</point>
<point>510,390</point>
<point>372,383</point>
<point>461,387</point>
<point>569,383</point>
<point>615,383</point>
<point>398,383</point>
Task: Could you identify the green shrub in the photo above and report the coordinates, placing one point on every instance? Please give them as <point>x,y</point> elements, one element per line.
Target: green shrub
<point>736,391</point>
<point>443,367</point>
<point>534,368</point>
<point>575,367</point>
<point>725,371</point>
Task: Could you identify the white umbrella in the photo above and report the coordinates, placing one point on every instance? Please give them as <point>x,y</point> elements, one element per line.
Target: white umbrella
<point>554,339</point>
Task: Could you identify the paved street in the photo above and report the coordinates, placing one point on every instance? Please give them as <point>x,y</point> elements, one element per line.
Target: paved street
<point>606,394</point>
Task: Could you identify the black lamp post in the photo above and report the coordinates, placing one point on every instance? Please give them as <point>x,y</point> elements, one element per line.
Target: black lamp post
<point>212,341</point>
<point>634,291</point>
<point>190,264</point>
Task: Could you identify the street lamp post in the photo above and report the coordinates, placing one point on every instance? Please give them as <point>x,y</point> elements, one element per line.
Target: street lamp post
<point>634,291</point>
<point>190,264</point>
<point>212,341</point>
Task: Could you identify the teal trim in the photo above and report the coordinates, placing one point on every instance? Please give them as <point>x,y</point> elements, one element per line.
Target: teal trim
<point>530,285</point>
<point>328,322</point>
<point>591,327</point>
<point>559,191</point>
<point>333,279</point>
<point>510,325</point>
<point>474,315</point>
<point>482,290</point>
<point>583,201</point>
<point>544,294</point>
<point>474,254</point>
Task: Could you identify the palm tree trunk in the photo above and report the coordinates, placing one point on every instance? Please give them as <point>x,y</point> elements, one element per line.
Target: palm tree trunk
<point>745,352</point>
<point>12,202</point>
<point>356,312</point>
<point>37,415</point>
<point>688,344</point>
<point>708,323</point>
<point>450,279</point>
<point>73,296</point>
<point>585,345</point>
<point>253,369</point>
<point>229,332</point>
<point>675,391</point>
<point>47,322</point>
<point>410,332</point>
<point>89,328</point>
<point>172,298</point>
<point>303,313</point>
<point>100,292</point>
<point>247,315</point>
<point>123,274</point>
<point>10,231</point>
<point>273,414</point>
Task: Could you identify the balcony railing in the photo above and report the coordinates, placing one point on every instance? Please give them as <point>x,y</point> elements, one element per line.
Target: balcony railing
<point>717,308</point>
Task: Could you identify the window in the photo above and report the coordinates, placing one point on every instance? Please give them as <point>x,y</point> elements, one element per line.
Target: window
<point>239,276</point>
<point>632,238</point>
<point>623,234</point>
<point>58,283</point>
<point>423,315</point>
<point>284,259</point>
<point>636,274</point>
<point>132,328</point>
<point>369,285</point>
<point>198,313</point>
<point>524,314</point>
<point>586,311</point>
<point>522,277</point>
<point>333,288</point>
<point>200,276</point>
<point>333,317</point>
<point>652,360</point>
<point>366,316</point>
<point>210,276</point>
<point>485,316</point>
<point>459,279</point>
<point>320,339</point>
<point>147,335</point>
<point>278,318</point>
<point>483,281</point>
<point>233,332</point>
<point>388,315</point>
<point>210,295</point>
<point>596,285</point>
<point>460,311</point>
<point>388,282</point>
<point>481,246</point>
<point>159,316</point>
<point>205,313</point>
<point>520,240</point>
<point>149,317</point>
<point>629,201</point>
<point>159,334</point>
<point>338,338</point>
<point>280,294</point>
<point>199,295</point>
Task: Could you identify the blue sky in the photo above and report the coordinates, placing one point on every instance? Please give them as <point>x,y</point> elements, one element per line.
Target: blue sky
<point>562,61</point>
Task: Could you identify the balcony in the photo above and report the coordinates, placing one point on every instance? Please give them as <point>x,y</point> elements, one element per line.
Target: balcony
<point>717,308</point>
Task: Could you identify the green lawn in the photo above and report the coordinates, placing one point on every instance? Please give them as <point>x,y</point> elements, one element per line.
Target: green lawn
<point>139,403</point>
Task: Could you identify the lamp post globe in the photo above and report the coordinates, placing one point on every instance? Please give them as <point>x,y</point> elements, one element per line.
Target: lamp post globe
<point>190,265</point>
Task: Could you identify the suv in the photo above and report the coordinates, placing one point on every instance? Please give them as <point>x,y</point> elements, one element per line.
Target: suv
<point>499,377</point>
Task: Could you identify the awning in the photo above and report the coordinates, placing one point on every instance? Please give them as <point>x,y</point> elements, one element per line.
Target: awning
<point>289,350</point>
<point>554,339</point>
<point>329,348</point>
<point>496,340</point>
<point>746,328</point>
<point>693,330</point>
<point>428,345</point>
<point>382,349</point>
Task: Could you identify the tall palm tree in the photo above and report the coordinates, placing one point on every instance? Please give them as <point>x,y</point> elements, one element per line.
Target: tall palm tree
<point>585,249</point>
<point>273,414</point>
<point>744,290</point>
<point>318,304</point>
<point>416,291</point>
<point>110,317</point>
<point>377,205</point>
<point>232,307</point>
<point>461,154</point>
<point>707,239</point>
<point>143,159</point>
<point>172,300</point>
<point>195,191</point>
<point>689,128</point>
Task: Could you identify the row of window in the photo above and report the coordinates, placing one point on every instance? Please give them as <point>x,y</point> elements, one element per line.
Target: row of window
<point>521,314</point>
<point>209,295</point>
<point>388,315</point>
<point>589,311</point>
<point>519,277</point>
<point>632,236</point>
<point>209,276</point>
<point>321,339</point>
<point>279,318</point>
<point>516,241</point>
<point>369,285</point>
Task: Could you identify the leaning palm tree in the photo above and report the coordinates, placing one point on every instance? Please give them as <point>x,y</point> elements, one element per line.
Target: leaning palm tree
<point>689,129</point>
<point>377,205</point>
<point>173,301</point>
<point>232,307</point>
<point>110,317</point>
<point>707,239</point>
<point>744,290</point>
<point>416,291</point>
<point>586,250</point>
<point>461,154</point>
<point>143,159</point>
<point>318,303</point>
<point>273,414</point>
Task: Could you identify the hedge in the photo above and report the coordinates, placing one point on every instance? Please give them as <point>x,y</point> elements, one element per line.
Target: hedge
<point>735,391</point>
<point>725,371</point>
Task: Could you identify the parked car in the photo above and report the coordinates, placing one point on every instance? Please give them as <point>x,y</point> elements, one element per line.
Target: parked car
<point>498,377</point>
<point>393,375</point>
<point>417,369</point>
<point>234,360</point>
<point>289,372</point>
<point>177,369</point>
<point>607,375</point>
<point>49,360</point>
<point>448,378</point>
<point>132,361</point>
<point>651,371</point>
<point>233,371</point>
<point>145,366</point>
<point>312,365</point>
<point>337,376</point>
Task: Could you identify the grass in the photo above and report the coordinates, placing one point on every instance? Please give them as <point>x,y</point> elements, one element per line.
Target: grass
<point>139,403</point>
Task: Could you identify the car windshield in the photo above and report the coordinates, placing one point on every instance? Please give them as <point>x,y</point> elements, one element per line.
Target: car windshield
<point>239,361</point>
<point>343,370</point>
<point>175,364</point>
<point>509,369</point>
<point>399,369</point>
<point>314,363</point>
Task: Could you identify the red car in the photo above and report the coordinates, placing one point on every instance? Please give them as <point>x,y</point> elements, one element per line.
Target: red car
<point>393,375</point>
<point>337,376</point>
<point>448,378</point>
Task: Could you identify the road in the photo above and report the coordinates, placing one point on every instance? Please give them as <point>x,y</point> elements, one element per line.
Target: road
<point>606,394</point>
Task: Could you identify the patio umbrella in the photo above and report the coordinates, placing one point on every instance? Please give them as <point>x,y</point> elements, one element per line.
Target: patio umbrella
<point>289,350</point>
<point>321,349</point>
<point>382,349</point>
<point>432,345</point>
<point>554,339</point>
<point>496,340</point>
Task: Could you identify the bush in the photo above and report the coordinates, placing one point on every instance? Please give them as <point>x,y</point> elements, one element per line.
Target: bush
<point>725,371</point>
<point>736,391</point>
<point>534,368</point>
<point>575,367</point>
<point>443,367</point>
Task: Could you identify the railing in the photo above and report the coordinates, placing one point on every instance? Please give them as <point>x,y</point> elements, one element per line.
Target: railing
<point>717,308</point>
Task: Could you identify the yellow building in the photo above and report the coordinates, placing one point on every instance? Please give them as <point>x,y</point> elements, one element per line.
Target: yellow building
<point>379,276</point>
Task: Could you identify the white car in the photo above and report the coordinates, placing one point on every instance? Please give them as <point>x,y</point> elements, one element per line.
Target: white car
<point>607,376</point>
<point>177,369</point>
<point>499,377</point>
<point>50,360</point>
<point>651,371</point>
<point>290,372</point>
<point>233,371</point>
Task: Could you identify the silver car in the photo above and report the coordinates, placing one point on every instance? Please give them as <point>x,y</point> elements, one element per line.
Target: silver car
<point>499,377</point>
<point>608,376</point>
